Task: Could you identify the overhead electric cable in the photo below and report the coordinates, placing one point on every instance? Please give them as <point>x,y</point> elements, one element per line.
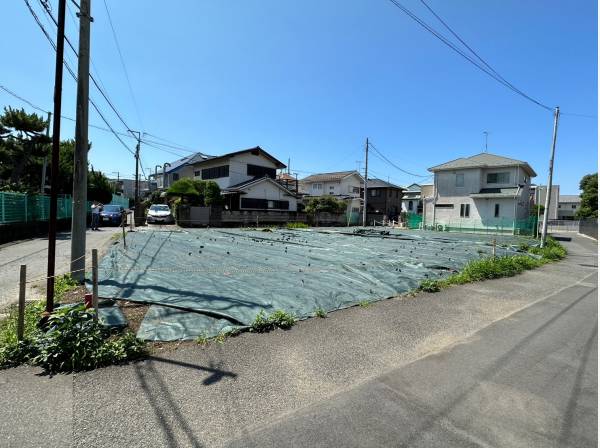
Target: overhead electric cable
<point>394,165</point>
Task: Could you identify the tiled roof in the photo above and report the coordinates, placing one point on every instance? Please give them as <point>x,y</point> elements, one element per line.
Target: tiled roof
<point>326,177</point>
<point>378,183</point>
<point>482,160</point>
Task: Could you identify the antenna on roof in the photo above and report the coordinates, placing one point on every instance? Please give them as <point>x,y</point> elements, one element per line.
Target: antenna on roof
<point>486,133</point>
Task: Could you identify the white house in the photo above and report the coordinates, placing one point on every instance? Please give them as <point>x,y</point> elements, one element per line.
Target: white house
<point>344,185</point>
<point>246,178</point>
<point>568,206</point>
<point>485,190</point>
<point>412,201</point>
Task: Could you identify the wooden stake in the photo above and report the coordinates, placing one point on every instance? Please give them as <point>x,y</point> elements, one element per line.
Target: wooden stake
<point>21,318</point>
<point>95,280</point>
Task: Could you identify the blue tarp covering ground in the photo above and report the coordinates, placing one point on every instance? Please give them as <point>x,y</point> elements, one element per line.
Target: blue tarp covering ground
<point>230,275</point>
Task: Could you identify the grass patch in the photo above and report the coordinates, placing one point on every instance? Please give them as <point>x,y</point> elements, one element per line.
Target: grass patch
<point>498,267</point>
<point>277,319</point>
<point>72,341</point>
<point>297,225</point>
<point>364,303</point>
<point>320,312</point>
<point>62,285</point>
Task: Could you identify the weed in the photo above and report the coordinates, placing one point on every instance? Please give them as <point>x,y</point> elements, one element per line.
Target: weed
<point>364,303</point>
<point>320,312</point>
<point>8,325</point>
<point>297,225</point>
<point>62,285</point>
<point>202,339</point>
<point>429,285</point>
<point>277,319</point>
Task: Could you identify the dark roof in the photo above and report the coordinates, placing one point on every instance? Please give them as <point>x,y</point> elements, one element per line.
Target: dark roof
<point>257,150</point>
<point>569,198</point>
<point>242,185</point>
<point>483,160</point>
<point>413,188</point>
<point>325,177</point>
<point>378,183</point>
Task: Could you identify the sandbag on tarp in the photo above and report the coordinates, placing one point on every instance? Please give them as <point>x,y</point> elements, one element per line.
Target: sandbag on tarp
<point>237,273</point>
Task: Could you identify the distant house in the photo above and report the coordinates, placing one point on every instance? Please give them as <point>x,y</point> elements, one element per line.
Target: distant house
<point>568,206</point>
<point>246,178</point>
<point>288,181</point>
<point>412,202</point>
<point>538,197</point>
<point>384,197</point>
<point>344,185</point>
<point>485,190</point>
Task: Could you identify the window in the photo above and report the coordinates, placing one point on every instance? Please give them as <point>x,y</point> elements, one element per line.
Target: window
<point>464,210</point>
<point>332,192</point>
<point>498,178</point>
<point>197,173</point>
<point>410,205</point>
<point>496,210</point>
<point>444,205</point>
<point>573,206</point>
<point>559,206</point>
<point>331,187</point>
<point>216,172</point>
<point>460,180</point>
<point>355,209</point>
<point>374,193</point>
<point>355,189</point>
<point>317,186</point>
<point>264,204</point>
<point>260,171</point>
<point>390,194</point>
<point>175,176</point>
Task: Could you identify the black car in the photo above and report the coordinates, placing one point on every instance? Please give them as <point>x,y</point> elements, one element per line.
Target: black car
<point>111,215</point>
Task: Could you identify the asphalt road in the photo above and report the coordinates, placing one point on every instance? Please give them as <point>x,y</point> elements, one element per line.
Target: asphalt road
<point>507,362</point>
<point>34,253</point>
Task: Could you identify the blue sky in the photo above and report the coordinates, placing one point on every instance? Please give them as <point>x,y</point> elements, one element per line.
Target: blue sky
<point>311,80</point>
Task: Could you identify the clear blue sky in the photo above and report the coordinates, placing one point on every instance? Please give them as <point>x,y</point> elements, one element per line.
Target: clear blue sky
<point>310,80</point>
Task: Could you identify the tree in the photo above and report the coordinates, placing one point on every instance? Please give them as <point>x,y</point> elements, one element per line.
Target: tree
<point>327,204</point>
<point>196,192</point>
<point>99,187</point>
<point>589,196</point>
<point>23,146</point>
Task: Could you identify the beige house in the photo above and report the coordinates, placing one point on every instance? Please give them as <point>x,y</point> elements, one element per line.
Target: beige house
<point>484,190</point>
<point>568,206</point>
<point>344,185</point>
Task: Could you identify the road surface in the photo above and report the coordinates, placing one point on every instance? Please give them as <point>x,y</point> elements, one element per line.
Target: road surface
<point>34,253</point>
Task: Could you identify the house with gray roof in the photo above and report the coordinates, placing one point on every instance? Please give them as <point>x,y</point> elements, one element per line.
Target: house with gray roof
<point>343,185</point>
<point>482,191</point>
<point>412,201</point>
<point>384,198</point>
<point>568,206</point>
<point>246,178</point>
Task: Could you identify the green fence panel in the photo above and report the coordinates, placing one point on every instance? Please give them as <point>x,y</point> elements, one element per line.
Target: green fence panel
<point>123,201</point>
<point>22,208</point>
<point>525,227</point>
<point>413,221</point>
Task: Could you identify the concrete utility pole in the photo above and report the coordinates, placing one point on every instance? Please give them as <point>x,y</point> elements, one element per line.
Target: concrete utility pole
<point>137,169</point>
<point>165,165</point>
<point>80,157</point>
<point>549,186</point>
<point>58,76</point>
<point>366,182</point>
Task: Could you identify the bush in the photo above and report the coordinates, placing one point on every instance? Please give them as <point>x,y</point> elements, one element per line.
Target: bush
<point>320,312</point>
<point>73,340</point>
<point>297,225</point>
<point>277,319</point>
<point>429,286</point>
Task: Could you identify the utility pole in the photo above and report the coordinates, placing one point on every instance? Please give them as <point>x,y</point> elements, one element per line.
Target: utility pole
<point>43,186</point>
<point>58,76</point>
<point>486,133</point>
<point>137,168</point>
<point>550,170</point>
<point>80,157</point>
<point>366,183</point>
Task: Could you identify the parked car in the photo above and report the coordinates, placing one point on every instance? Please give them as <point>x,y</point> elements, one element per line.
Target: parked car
<point>159,214</point>
<point>111,215</point>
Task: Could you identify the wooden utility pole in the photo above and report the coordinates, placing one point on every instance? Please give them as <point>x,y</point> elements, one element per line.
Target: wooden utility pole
<point>550,171</point>
<point>80,158</point>
<point>44,166</point>
<point>58,76</point>
<point>364,220</point>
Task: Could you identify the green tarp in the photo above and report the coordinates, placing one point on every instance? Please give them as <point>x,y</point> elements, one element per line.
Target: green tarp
<point>229,275</point>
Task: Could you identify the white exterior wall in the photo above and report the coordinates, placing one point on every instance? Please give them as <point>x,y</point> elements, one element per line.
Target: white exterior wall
<point>266,190</point>
<point>238,168</point>
<point>481,209</point>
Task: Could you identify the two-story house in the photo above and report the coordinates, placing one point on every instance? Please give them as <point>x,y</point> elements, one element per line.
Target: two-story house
<point>568,206</point>
<point>344,185</point>
<point>246,178</point>
<point>412,200</point>
<point>384,198</point>
<point>485,190</point>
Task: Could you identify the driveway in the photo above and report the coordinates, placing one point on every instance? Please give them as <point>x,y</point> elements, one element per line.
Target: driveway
<point>34,254</point>
<point>507,362</point>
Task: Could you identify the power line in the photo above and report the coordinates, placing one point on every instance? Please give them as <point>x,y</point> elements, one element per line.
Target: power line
<point>114,33</point>
<point>10,92</point>
<point>490,72</point>
<point>393,164</point>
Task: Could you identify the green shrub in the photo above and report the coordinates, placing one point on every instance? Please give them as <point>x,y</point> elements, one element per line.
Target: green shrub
<point>429,285</point>
<point>297,225</point>
<point>62,285</point>
<point>277,319</point>
<point>552,250</point>
<point>364,303</point>
<point>8,325</point>
<point>73,340</point>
